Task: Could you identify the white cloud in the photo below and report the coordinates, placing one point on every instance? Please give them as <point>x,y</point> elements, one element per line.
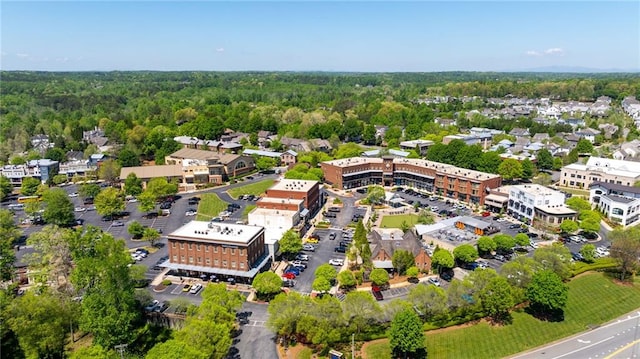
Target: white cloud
<point>533,53</point>
<point>22,55</point>
<point>62,59</point>
<point>554,51</point>
<point>220,49</point>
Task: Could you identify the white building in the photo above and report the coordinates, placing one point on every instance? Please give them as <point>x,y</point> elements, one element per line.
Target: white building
<point>619,203</point>
<point>525,201</point>
<point>275,222</point>
<point>600,169</point>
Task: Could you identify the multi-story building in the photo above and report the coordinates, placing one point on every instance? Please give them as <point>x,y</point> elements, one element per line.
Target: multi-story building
<point>447,180</point>
<point>224,250</point>
<point>598,169</point>
<point>530,201</point>
<point>208,166</point>
<point>308,191</point>
<point>619,203</point>
<point>43,169</point>
<point>420,146</point>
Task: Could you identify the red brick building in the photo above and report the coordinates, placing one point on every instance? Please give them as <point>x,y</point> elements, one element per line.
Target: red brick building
<point>449,181</point>
<point>225,250</point>
<point>308,191</point>
<point>384,242</point>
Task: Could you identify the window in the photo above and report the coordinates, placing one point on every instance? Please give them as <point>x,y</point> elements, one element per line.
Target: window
<point>224,250</point>
<point>190,259</point>
<point>173,244</point>
<point>233,264</point>
<point>208,261</point>
<point>198,247</point>
<point>241,252</point>
<point>241,265</point>
<point>181,245</point>
<point>199,259</point>
<point>206,248</point>
<point>216,262</point>
<point>175,258</point>
<point>181,258</point>
<point>617,211</point>
<point>190,246</point>
<point>215,249</point>
<point>233,251</point>
<point>224,264</point>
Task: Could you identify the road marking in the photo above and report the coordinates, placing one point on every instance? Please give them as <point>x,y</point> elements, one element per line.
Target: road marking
<point>583,348</point>
<point>623,348</point>
<point>584,341</point>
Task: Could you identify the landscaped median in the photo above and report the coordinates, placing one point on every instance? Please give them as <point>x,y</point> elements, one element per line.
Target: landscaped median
<point>210,206</point>
<point>256,189</point>
<point>594,298</point>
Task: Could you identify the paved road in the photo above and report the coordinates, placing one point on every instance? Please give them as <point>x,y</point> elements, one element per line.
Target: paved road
<point>618,339</point>
<point>255,340</point>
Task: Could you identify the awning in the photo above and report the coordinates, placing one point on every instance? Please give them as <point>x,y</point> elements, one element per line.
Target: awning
<point>383,264</point>
<point>496,199</point>
<point>228,272</point>
<point>304,212</point>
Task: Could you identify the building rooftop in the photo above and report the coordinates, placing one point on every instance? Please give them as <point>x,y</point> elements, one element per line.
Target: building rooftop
<point>152,171</point>
<point>535,189</point>
<point>557,210</point>
<point>414,143</point>
<point>615,187</point>
<point>273,212</point>
<point>280,200</point>
<point>620,199</point>
<point>249,151</point>
<point>293,185</point>
<point>216,232</point>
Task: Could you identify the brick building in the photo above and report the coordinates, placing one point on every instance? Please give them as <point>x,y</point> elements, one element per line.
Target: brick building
<point>308,191</point>
<point>225,250</point>
<point>450,181</point>
<point>384,242</point>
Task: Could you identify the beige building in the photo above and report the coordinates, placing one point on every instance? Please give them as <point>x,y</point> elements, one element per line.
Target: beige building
<point>598,169</point>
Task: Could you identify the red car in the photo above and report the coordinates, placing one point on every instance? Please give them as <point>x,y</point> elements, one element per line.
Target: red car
<point>289,275</point>
<point>486,214</point>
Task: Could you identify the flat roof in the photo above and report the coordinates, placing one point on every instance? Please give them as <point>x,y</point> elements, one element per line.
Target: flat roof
<point>556,209</point>
<point>476,223</point>
<point>293,185</point>
<point>414,143</point>
<point>216,232</point>
<point>535,189</point>
<point>249,151</point>
<point>152,171</point>
<point>280,200</point>
<point>273,212</point>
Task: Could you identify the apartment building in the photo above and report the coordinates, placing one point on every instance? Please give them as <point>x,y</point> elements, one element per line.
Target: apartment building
<point>43,169</point>
<point>598,169</point>
<point>619,203</point>
<point>225,250</point>
<point>447,180</point>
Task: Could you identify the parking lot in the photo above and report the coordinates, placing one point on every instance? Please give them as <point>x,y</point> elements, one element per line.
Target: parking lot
<point>324,251</point>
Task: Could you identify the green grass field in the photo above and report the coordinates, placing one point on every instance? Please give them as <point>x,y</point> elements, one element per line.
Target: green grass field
<point>395,221</point>
<point>247,209</point>
<point>593,299</point>
<point>209,207</point>
<point>256,189</point>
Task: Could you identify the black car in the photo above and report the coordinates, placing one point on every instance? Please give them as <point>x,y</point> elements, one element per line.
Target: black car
<point>447,275</point>
<point>340,249</point>
<point>289,283</point>
<point>88,200</point>
<point>165,205</point>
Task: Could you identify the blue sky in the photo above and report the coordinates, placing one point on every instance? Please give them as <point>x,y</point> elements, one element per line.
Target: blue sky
<point>319,36</point>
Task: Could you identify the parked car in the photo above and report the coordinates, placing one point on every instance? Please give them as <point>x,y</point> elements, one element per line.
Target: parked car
<point>79,209</point>
<point>196,288</point>
<point>435,281</point>
<point>340,249</point>
<point>500,257</point>
<point>332,236</point>
<point>289,283</point>
<point>298,264</point>
<point>308,247</point>
<point>161,307</point>
<point>191,212</point>
<point>88,200</point>
<point>117,224</point>
<point>152,306</point>
<point>312,240</point>
<point>302,257</point>
<point>74,194</point>
<point>377,293</point>
<point>186,288</point>
<point>486,214</point>
<point>447,275</point>
<point>336,262</point>
<point>293,270</point>
<point>288,275</point>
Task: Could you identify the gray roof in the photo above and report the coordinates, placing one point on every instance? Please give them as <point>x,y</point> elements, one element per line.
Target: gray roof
<point>476,223</point>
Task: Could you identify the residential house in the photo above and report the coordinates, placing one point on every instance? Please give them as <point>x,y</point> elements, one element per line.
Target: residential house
<point>608,130</point>
<point>295,144</point>
<point>445,122</point>
<point>41,143</point>
<point>289,158</point>
<point>420,146</point>
<point>520,132</point>
<point>588,134</point>
<point>96,137</point>
<point>321,145</point>
<point>541,137</point>
<point>628,151</point>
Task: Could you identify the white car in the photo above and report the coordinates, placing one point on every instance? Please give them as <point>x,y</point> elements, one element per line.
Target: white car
<point>133,200</point>
<point>533,244</point>
<point>433,209</point>
<point>74,194</point>
<point>309,247</point>
<point>196,288</point>
<point>435,281</point>
<point>501,219</point>
<point>191,213</point>
<point>336,262</point>
<point>79,209</point>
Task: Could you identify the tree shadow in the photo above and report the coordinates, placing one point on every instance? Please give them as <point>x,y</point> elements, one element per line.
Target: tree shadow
<point>418,354</point>
<point>545,314</point>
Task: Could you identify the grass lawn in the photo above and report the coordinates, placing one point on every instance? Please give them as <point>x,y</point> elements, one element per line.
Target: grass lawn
<point>247,209</point>
<point>593,299</point>
<point>395,221</point>
<point>580,192</point>
<point>209,207</point>
<point>256,189</point>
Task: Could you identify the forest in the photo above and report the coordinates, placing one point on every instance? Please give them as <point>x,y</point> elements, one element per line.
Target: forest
<point>139,110</point>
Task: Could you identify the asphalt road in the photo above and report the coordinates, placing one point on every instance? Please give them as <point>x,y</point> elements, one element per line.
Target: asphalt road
<point>325,250</point>
<point>617,339</point>
<point>255,339</point>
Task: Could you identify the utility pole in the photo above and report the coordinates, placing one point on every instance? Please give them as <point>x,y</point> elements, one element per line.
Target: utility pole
<point>353,346</point>
<point>121,348</point>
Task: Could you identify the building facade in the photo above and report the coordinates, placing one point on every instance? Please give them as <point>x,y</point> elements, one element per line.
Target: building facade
<point>619,203</point>
<point>530,201</point>
<point>224,250</point>
<point>447,180</point>
<point>43,169</point>
<point>598,169</point>
<point>308,191</point>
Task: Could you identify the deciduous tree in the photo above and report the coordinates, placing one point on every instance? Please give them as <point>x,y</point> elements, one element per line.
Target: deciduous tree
<point>291,243</point>
<point>547,294</point>
<point>89,190</point>
<point>402,260</point>
<point>326,271</point>
<point>109,170</point>
<point>568,226</point>
<point>625,248</point>
<point>406,336</point>
<point>522,239</point>
<point>132,185</point>
<point>497,299</point>
<point>588,252</point>
<point>360,310</point>
<point>465,253</point>
<point>442,259</point>
<point>510,169</point>
<point>29,186</point>
<point>267,284</point>
<point>5,187</point>
<point>346,279</point>
<point>379,276</point>
<point>109,202</point>
<point>486,244</point>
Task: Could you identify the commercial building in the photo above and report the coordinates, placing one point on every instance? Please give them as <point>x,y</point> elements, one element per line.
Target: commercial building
<point>447,180</point>
<point>598,169</point>
<point>43,170</point>
<point>305,190</point>
<point>420,146</point>
<point>275,222</point>
<point>210,167</point>
<point>533,201</point>
<point>224,250</point>
<point>619,203</point>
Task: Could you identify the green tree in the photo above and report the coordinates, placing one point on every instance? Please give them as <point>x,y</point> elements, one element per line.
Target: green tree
<point>89,190</point>
<point>128,158</point>
<point>109,170</point>
<point>174,348</point>
<point>286,312</point>
<point>547,294</point>
<point>497,299</point>
<point>150,235</point>
<point>5,187</point>
<point>572,157</point>
<point>136,229</point>
<point>412,272</point>
<point>348,150</point>
<point>545,160</point>
<point>557,163</point>
<point>568,226</point>
<point>58,208</point>
<point>406,336</point>
<point>264,163</point>
<point>51,261</point>
<point>430,300</point>
<point>360,310</point>
<point>290,243</point>
<point>519,271</point>
<point>578,204</point>
<point>321,284</point>
<point>486,244</point>
<point>109,202</point>
<point>375,195</point>
<point>543,179</point>
<point>60,179</point>
<point>510,169</point>
<point>132,185</point>
<point>504,242</point>
<point>584,146</point>
<point>267,285</point>
<point>41,323</point>
<point>402,260</point>
<point>555,258</point>
<point>489,162</point>
<point>326,271</point>
<point>588,252</point>
<point>465,253</point>
<point>29,186</point>
<point>56,154</point>
<point>346,279</point>
<point>590,221</point>
<point>521,239</point>
<point>8,235</point>
<point>379,277</point>
<point>625,249</point>
<point>442,259</point>
<point>528,169</point>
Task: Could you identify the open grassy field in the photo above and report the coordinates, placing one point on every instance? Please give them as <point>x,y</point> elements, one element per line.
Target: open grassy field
<point>256,189</point>
<point>395,221</point>
<point>209,207</point>
<point>593,299</point>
